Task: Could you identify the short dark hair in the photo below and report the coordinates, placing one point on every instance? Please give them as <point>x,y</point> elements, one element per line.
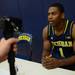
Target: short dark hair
<point>58,5</point>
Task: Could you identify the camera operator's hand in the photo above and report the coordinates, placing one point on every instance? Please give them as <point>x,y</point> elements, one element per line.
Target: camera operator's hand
<point>5,46</point>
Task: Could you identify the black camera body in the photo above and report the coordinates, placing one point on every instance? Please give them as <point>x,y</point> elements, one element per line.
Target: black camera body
<point>11,27</point>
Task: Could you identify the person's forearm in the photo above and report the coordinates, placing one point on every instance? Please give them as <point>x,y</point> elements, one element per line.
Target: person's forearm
<point>67,61</point>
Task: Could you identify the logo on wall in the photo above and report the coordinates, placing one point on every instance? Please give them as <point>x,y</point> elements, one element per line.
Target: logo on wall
<point>25,37</point>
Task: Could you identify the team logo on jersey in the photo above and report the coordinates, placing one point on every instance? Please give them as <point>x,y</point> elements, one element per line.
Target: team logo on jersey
<point>51,38</point>
<point>68,37</point>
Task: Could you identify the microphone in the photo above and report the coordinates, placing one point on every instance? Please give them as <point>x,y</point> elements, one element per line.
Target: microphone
<point>25,37</point>
<point>25,46</point>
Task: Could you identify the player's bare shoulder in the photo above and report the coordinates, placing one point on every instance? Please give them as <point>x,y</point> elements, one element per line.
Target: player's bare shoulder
<point>73,31</point>
<point>45,31</point>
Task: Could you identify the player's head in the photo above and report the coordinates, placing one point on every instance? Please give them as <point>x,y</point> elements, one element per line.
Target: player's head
<point>55,13</point>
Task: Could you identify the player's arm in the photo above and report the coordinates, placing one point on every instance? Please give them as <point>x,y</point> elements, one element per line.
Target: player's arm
<point>46,47</point>
<point>46,43</point>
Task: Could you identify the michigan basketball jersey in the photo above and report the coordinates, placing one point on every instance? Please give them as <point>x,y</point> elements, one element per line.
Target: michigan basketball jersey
<point>61,45</point>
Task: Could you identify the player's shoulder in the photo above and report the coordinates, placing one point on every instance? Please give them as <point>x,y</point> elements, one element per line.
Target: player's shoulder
<point>73,30</point>
<point>73,27</point>
<point>45,28</point>
<point>45,31</point>
<point>73,24</point>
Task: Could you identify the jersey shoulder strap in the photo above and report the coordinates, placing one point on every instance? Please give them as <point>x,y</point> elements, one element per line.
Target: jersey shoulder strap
<point>50,32</point>
<point>69,27</point>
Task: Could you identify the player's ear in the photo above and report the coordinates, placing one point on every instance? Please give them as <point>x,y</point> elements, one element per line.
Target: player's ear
<point>62,16</point>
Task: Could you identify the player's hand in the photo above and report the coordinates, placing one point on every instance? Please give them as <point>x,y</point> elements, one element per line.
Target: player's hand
<point>50,63</point>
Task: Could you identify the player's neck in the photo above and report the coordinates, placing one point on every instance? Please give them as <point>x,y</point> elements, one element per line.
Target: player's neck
<point>60,26</point>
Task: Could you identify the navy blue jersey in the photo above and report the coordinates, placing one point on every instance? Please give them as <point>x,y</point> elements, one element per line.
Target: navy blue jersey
<point>61,46</point>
